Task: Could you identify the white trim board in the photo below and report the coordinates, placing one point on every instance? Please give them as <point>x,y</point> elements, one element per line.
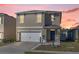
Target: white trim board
<point>28,30</point>
<point>29,27</point>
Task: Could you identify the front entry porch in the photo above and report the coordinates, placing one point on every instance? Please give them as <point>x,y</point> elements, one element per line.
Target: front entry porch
<point>52,34</point>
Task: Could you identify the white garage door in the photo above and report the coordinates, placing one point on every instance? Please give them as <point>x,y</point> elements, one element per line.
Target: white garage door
<point>32,37</point>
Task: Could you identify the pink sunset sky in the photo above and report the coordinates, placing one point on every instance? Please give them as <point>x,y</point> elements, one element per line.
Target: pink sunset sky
<point>70,12</point>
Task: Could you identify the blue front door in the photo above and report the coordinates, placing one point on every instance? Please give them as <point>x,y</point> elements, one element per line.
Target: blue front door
<point>52,34</point>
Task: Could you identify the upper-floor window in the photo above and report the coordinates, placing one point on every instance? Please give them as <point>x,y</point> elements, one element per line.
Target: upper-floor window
<point>39,18</point>
<point>21,17</point>
<point>0,20</point>
<point>52,18</point>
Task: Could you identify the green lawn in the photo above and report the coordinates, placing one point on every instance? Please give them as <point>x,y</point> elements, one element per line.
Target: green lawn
<point>65,46</point>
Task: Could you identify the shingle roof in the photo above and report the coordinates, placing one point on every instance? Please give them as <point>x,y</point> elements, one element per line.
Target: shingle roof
<point>36,11</point>
<point>3,14</point>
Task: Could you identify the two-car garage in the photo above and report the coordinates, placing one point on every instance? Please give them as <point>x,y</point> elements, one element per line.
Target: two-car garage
<point>31,36</point>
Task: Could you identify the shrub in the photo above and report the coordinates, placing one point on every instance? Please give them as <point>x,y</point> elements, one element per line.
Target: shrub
<point>8,40</point>
<point>4,41</point>
<point>12,40</point>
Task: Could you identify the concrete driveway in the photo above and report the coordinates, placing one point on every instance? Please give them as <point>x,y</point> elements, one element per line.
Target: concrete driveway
<point>17,48</point>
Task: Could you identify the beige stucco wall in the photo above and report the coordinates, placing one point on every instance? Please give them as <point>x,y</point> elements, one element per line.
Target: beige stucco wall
<point>1,28</point>
<point>2,31</point>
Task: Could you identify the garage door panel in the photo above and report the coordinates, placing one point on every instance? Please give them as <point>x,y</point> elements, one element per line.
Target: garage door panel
<point>24,36</point>
<point>33,37</point>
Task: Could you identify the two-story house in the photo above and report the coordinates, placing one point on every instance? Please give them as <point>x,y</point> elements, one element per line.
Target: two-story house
<point>35,25</point>
<point>7,27</point>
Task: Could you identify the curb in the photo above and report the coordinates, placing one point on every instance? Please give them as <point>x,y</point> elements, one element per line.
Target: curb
<point>55,52</point>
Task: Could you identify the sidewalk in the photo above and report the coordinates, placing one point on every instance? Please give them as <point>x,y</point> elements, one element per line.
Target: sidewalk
<point>55,52</point>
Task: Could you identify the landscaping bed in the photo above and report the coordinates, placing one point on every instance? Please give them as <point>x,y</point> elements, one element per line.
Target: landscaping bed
<point>7,41</point>
<point>1,44</point>
<point>65,46</point>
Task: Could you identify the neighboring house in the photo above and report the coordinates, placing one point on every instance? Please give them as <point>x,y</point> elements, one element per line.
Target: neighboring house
<point>71,35</point>
<point>63,35</point>
<point>68,34</point>
<point>7,27</point>
<point>38,24</point>
<point>76,32</point>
